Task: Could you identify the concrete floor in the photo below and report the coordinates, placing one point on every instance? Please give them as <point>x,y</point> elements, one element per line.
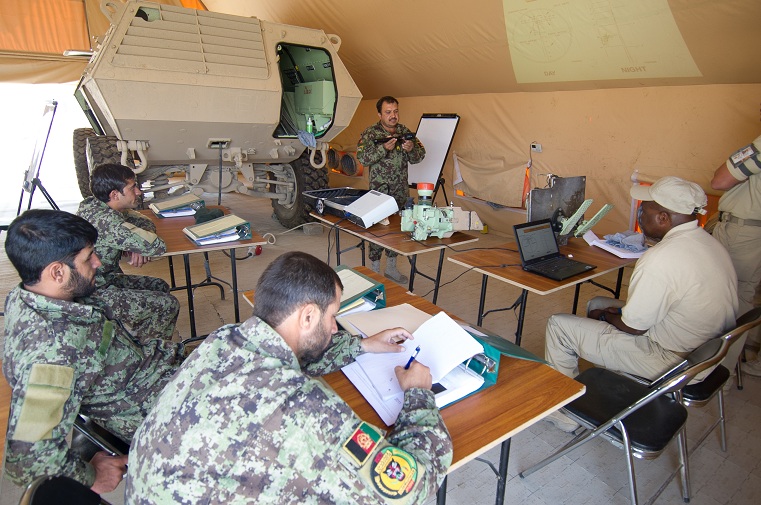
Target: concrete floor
<point>594,474</point>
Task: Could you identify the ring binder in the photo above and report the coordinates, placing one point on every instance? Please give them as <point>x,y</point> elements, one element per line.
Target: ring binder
<point>488,365</point>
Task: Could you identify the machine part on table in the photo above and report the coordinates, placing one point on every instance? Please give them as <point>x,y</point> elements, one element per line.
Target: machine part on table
<point>425,220</point>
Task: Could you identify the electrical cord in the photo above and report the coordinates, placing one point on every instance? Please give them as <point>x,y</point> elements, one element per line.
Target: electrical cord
<point>334,226</point>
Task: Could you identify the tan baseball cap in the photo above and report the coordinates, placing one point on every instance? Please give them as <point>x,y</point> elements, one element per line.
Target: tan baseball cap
<point>673,193</point>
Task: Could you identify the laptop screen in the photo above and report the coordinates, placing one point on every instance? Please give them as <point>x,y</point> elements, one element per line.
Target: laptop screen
<point>536,241</point>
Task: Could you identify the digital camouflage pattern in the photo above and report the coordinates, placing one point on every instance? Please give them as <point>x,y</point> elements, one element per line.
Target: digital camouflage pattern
<point>388,169</point>
<point>141,302</point>
<point>119,232</point>
<point>62,358</point>
<point>242,422</point>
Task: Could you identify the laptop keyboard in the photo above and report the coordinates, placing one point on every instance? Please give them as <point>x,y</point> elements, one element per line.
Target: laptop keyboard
<point>553,265</point>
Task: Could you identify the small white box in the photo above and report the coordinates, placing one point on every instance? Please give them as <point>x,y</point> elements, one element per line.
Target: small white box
<point>371,208</point>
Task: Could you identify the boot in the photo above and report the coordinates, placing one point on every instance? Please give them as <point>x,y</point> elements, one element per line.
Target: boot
<point>394,274</point>
<point>375,266</point>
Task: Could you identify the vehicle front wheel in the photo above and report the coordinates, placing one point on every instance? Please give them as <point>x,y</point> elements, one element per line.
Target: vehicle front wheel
<point>307,178</point>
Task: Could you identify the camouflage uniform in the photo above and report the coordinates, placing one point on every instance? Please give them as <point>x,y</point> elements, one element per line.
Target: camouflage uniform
<point>388,169</point>
<point>62,358</point>
<point>242,423</point>
<point>143,303</point>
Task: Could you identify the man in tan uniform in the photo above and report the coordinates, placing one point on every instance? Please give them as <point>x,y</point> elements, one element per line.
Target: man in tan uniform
<point>675,302</point>
<point>739,230</point>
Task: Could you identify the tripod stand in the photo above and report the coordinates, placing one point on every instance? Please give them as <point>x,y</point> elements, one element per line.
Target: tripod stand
<point>32,175</point>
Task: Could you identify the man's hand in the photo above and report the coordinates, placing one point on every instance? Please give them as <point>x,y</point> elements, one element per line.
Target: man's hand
<point>416,376</point>
<point>389,146</point>
<point>613,317</point>
<point>138,260</point>
<point>109,471</point>
<point>387,341</point>
<point>407,145</point>
<point>596,313</point>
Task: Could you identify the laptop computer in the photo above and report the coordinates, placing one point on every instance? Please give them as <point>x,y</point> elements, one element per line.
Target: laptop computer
<point>540,253</point>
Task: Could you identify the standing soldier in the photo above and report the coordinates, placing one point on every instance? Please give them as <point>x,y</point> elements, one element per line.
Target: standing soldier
<point>388,162</point>
<point>141,302</point>
<point>739,230</point>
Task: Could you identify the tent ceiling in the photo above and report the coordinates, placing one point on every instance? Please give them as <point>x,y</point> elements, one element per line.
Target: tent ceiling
<point>451,47</point>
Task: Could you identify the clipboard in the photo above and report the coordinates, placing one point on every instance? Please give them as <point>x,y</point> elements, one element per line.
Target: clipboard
<point>185,205</point>
<point>358,289</point>
<point>227,228</point>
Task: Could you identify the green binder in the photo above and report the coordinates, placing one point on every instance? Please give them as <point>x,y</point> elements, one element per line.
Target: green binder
<point>358,289</point>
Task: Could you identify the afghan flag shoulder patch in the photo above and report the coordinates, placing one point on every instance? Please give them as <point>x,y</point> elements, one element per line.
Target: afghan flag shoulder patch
<point>362,442</point>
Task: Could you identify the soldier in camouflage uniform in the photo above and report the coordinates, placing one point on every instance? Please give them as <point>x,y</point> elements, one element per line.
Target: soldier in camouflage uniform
<point>244,421</point>
<point>143,303</point>
<point>62,358</point>
<point>388,168</point>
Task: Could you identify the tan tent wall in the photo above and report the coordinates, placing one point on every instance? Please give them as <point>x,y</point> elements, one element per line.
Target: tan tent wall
<point>604,134</point>
<point>35,33</point>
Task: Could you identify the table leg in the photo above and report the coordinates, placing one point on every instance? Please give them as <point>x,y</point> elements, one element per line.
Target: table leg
<point>172,283</point>
<point>482,301</point>
<point>618,282</point>
<point>413,271</point>
<point>234,269</point>
<point>576,298</point>
<point>362,247</point>
<point>189,287</point>
<point>504,457</point>
<point>441,494</point>
<point>438,277</point>
<point>338,246</point>
<point>521,317</point>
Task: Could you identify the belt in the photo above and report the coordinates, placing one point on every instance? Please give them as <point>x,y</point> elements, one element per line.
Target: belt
<point>727,217</point>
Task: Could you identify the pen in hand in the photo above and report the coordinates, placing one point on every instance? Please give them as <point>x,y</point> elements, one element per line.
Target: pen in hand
<point>412,358</point>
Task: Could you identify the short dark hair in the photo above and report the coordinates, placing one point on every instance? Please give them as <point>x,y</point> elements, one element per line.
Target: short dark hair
<point>108,177</point>
<point>291,281</point>
<point>385,99</point>
<point>39,237</point>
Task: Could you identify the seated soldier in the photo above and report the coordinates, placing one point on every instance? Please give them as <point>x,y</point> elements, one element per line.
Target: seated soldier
<point>143,303</point>
<point>63,358</point>
<point>682,292</point>
<point>244,421</point>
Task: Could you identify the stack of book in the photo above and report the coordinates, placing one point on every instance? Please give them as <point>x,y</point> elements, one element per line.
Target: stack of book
<point>185,205</point>
<point>227,228</point>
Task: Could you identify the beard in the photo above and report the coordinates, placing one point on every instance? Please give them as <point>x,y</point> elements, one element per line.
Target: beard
<point>80,286</point>
<point>314,346</point>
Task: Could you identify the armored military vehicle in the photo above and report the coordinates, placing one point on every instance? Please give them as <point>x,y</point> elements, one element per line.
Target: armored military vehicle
<point>228,101</point>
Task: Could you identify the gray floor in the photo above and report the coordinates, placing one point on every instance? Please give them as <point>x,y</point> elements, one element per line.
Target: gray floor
<point>594,474</point>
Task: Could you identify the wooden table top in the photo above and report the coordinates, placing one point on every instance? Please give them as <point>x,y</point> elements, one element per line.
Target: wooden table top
<point>507,254</point>
<point>526,391</point>
<point>392,237</point>
<point>170,231</point>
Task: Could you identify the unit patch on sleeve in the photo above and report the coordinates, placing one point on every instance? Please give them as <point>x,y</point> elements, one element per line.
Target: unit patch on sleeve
<point>394,472</point>
<point>362,442</point>
<point>740,156</point>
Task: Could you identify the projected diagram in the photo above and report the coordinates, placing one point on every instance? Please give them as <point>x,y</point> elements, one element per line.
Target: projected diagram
<point>556,40</point>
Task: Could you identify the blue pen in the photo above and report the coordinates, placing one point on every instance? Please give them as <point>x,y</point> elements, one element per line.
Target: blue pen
<point>412,358</point>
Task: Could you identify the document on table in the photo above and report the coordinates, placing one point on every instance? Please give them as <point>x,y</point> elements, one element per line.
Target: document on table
<point>369,323</point>
<point>444,345</point>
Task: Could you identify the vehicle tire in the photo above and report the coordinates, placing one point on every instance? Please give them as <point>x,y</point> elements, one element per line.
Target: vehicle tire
<point>91,150</point>
<point>308,178</point>
<point>79,146</point>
